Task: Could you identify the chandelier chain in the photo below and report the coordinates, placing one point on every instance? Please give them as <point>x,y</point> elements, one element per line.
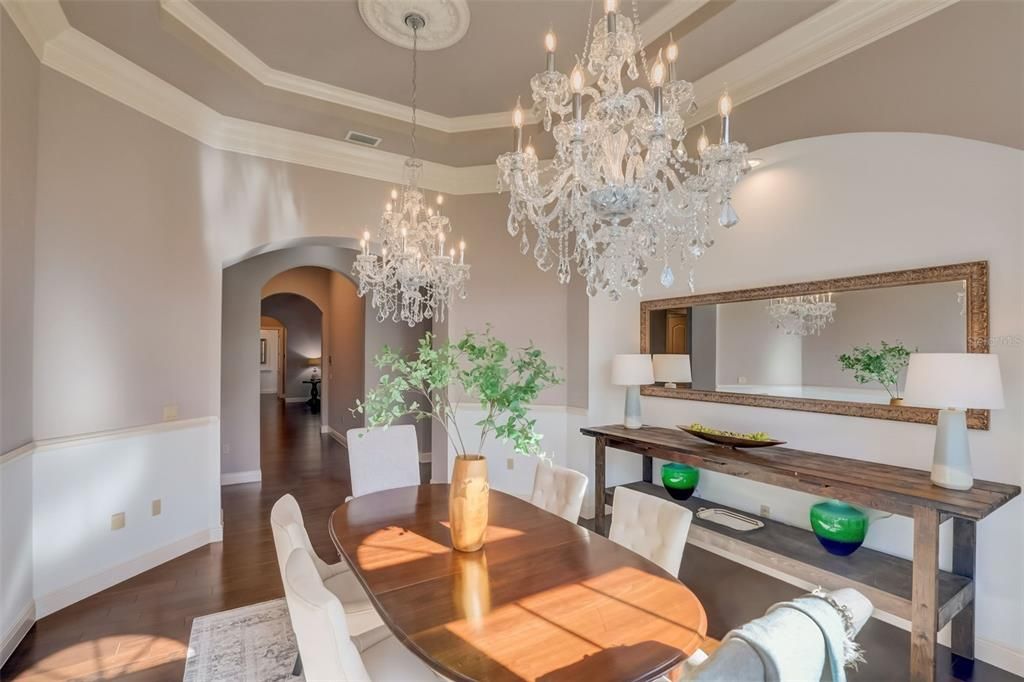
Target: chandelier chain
<point>415,53</point>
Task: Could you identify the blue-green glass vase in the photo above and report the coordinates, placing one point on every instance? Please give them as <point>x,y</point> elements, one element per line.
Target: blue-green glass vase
<point>839,527</point>
<point>680,480</point>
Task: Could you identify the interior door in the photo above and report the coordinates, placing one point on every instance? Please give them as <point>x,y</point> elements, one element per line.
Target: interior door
<point>675,333</point>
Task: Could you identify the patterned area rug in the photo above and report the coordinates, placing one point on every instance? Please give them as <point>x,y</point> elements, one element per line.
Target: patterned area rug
<point>251,644</point>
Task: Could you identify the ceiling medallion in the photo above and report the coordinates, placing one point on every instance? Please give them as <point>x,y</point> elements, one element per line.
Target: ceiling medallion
<point>622,194</point>
<point>446,21</point>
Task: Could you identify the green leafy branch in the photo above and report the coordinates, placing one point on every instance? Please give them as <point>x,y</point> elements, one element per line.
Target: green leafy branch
<point>504,382</point>
<point>881,366</point>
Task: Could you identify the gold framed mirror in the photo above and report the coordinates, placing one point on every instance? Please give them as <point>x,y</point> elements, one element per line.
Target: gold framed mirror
<point>818,346</point>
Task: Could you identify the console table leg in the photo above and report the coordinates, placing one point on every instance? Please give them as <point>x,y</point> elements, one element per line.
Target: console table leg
<point>962,627</point>
<point>599,445</point>
<point>924,595</point>
<point>648,474</point>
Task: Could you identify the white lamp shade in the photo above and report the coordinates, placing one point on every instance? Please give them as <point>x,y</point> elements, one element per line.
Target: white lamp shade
<point>672,368</point>
<point>954,380</point>
<point>632,370</point>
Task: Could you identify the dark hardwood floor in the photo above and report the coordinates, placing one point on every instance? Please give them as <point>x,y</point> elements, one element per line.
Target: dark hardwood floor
<point>139,629</point>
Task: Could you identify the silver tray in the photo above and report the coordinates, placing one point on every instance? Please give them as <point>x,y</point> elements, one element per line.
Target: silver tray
<point>724,517</point>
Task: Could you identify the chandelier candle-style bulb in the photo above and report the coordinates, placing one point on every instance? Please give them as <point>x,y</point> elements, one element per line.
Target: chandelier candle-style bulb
<point>658,80</point>
<point>724,110</point>
<point>703,142</point>
<point>440,203</point>
<point>517,124</point>
<point>671,54</point>
<point>611,7</point>
<point>440,244</point>
<point>462,252</point>
<point>576,83</point>
<point>549,45</point>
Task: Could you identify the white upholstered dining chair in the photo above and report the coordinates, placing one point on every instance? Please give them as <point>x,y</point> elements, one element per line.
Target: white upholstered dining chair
<point>653,528</point>
<point>290,534</point>
<point>383,458</point>
<point>327,648</point>
<point>559,490</point>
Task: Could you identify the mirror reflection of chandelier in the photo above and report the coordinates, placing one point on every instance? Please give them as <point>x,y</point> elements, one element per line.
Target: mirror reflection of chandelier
<point>802,315</point>
<point>622,195</point>
<point>414,278</point>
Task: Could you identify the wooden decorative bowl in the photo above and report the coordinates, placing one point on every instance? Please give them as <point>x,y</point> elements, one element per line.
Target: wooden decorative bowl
<point>731,441</point>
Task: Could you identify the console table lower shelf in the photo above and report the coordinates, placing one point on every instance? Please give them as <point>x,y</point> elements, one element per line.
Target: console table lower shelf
<point>885,579</point>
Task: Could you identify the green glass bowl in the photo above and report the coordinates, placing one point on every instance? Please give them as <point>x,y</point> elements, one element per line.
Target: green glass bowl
<point>839,527</point>
<point>680,480</point>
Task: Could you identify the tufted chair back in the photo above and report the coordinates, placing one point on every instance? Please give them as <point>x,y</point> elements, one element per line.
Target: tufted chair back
<point>318,620</point>
<point>383,458</point>
<point>653,528</point>
<point>559,490</point>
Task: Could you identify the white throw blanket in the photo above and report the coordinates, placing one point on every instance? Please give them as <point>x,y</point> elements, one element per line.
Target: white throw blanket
<point>795,639</point>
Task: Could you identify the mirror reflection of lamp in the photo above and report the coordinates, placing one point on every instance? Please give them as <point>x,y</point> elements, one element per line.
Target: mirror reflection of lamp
<point>672,368</point>
<point>315,364</point>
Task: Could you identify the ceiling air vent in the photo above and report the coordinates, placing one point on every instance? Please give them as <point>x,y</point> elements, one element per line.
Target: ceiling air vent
<point>362,138</point>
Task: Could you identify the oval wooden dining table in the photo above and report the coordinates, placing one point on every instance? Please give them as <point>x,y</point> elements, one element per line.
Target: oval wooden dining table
<point>544,599</point>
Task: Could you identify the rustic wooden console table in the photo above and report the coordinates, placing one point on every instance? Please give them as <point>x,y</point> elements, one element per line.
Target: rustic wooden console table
<point>916,590</point>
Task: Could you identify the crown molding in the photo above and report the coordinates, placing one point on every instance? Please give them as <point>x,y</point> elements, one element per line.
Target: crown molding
<point>840,29</point>
<point>195,20</point>
<point>837,30</point>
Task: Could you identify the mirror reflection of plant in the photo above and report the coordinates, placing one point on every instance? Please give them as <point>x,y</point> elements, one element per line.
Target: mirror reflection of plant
<point>504,383</point>
<point>882,365</point>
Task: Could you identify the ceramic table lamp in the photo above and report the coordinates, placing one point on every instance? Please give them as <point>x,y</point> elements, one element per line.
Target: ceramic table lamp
<point>632,371</point>
<point>672,368</point>
<point>953,382</point>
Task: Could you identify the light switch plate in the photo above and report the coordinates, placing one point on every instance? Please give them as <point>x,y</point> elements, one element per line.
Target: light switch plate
<point>766,511</point>
<point>117,521</point>
<point>510,463</point>
<point>170,412</point>
<point>157,507</point>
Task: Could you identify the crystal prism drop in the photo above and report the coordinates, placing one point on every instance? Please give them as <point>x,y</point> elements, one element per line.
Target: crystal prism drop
<point>667,277</point>
<point>727,217</point>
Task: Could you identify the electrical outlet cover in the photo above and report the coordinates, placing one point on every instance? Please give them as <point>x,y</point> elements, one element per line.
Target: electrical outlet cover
<point>117,521</point>
<point>157,507</point>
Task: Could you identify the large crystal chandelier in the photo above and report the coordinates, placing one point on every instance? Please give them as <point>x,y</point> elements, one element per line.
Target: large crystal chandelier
<point>414,278</point>
<point>802,315</point>
<point>621,195</point>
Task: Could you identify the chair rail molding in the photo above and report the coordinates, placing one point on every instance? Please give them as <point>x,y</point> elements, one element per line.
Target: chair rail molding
<point>841,28</point>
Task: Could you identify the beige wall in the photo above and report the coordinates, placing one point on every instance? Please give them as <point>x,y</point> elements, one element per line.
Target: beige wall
<point>19,93</point>
<point>957,72</point>
<point>506,288</point>
<point>343,363</point>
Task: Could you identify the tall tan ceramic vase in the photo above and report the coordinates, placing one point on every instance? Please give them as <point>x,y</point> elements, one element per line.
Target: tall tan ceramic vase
<point>467,502</point>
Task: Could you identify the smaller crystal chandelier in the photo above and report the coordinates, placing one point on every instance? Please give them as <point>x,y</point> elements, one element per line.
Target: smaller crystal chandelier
<point>413,279</point>
<point>802,315</point>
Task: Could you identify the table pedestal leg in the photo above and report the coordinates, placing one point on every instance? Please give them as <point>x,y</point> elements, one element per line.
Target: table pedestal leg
<point>648,474</point>
<point>962,627</point>
<point>924,608</point>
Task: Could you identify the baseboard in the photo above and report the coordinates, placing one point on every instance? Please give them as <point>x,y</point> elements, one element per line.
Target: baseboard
<point>324,428</point>
<point>22,624</point>
<point>295,399</point>
<point>236,477</point>
<point>66,596</point>
<point>338,436</point>
<point>269,391</point>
